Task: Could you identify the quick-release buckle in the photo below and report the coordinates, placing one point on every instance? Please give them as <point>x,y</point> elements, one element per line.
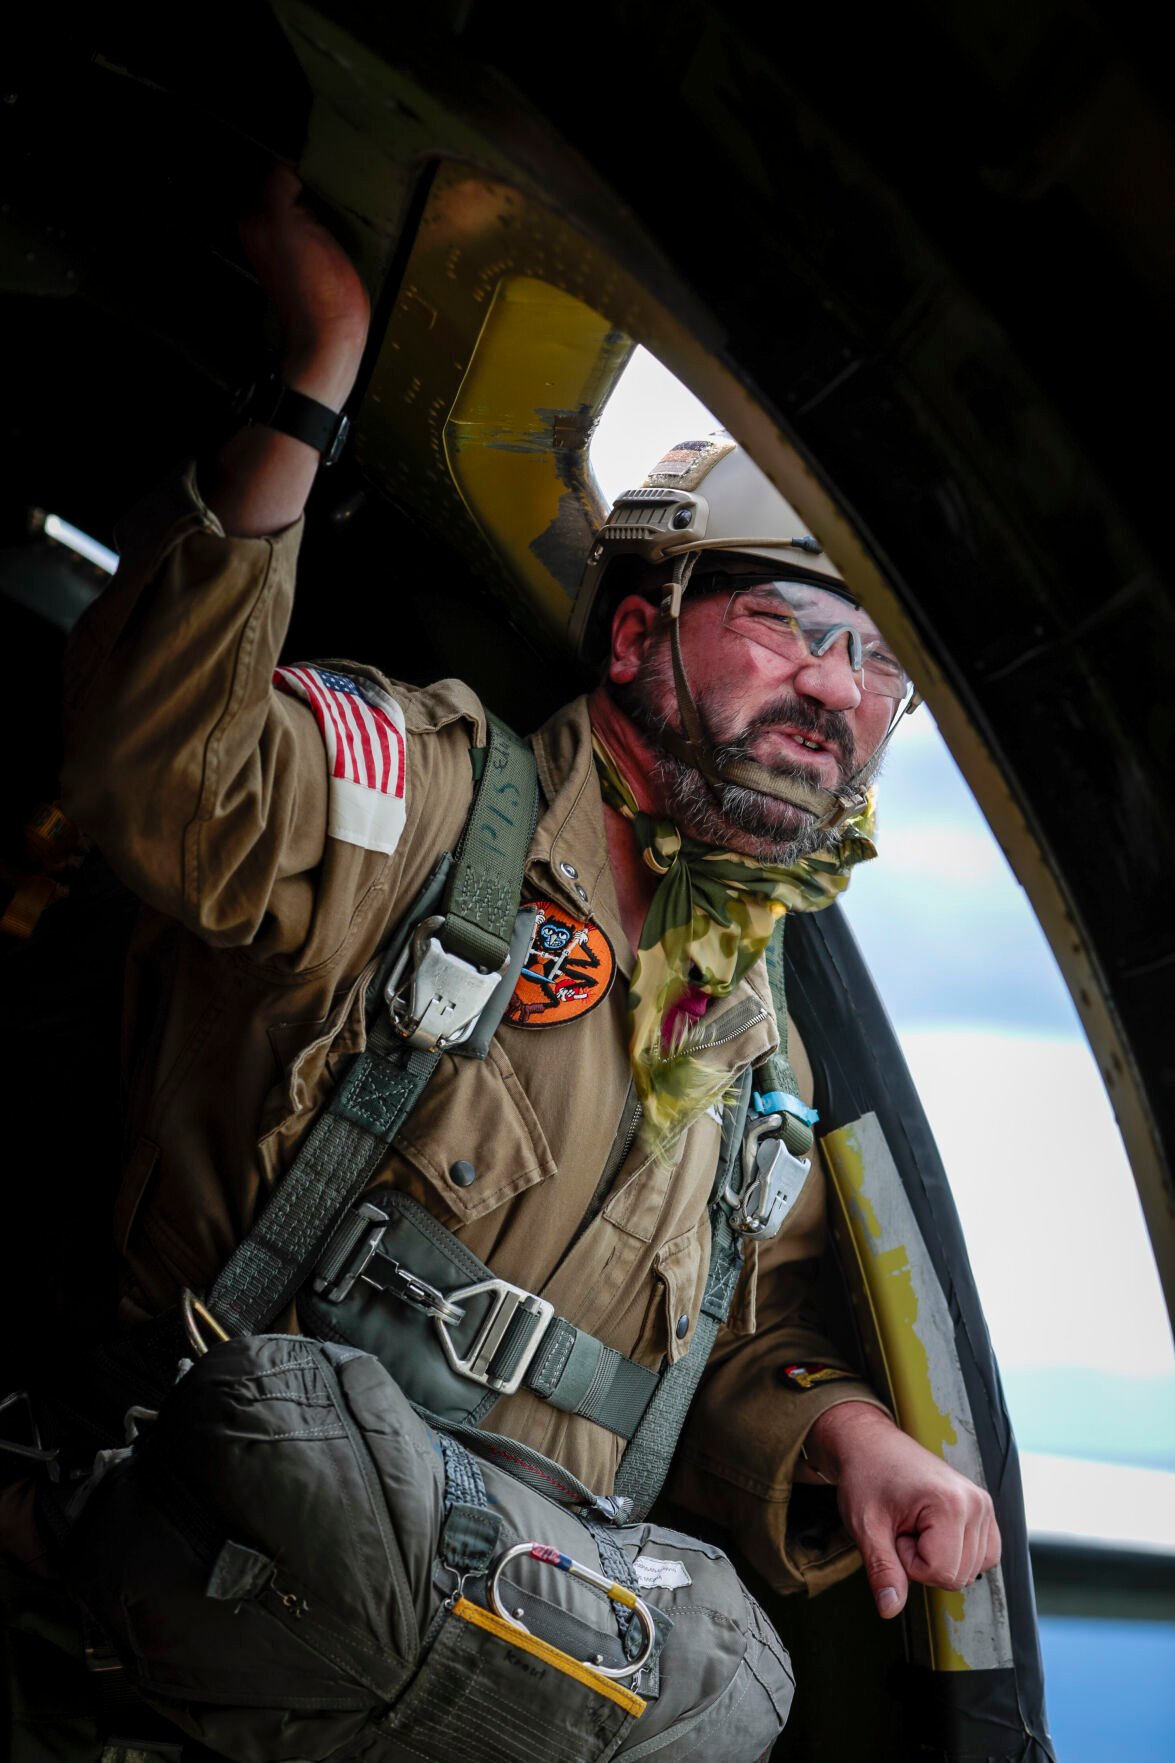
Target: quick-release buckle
<point>357,1253</point>
<point>492,1334</point>
<point>772,1180</point>
<point>438,1003</point>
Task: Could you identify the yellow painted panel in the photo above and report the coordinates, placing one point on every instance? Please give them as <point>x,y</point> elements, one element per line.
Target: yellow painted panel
<point>886,1283</point>
<point>517,435</point>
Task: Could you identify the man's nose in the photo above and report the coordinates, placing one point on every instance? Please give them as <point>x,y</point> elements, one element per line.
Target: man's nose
<point>829,678</point>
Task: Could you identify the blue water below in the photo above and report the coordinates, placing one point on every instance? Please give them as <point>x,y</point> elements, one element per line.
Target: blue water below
<point>1110,1689</point>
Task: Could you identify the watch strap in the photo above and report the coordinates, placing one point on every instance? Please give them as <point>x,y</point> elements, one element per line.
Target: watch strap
<point>275,405</point>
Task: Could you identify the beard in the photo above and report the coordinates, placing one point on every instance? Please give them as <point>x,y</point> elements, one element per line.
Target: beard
<point>731,816</point>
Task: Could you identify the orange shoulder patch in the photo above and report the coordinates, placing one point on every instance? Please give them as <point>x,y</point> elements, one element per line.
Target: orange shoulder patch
<point>568,970</point>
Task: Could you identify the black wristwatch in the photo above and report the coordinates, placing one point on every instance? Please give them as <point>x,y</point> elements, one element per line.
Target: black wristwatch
<point>275,405</point>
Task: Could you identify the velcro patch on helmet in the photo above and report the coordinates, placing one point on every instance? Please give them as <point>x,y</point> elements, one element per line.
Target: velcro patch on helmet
<point>685,465</point>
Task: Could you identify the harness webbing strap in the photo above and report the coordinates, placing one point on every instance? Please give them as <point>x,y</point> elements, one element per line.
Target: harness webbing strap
<point>486,884</point>
<point>776,1072</point>
<point>645,1463</point>
<point>472,1531</point>
<point>579,1374</point>
<point>339,1159</point>
<point>350,1140</point>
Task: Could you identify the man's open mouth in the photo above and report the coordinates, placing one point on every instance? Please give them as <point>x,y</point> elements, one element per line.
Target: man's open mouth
<point>794,746</point>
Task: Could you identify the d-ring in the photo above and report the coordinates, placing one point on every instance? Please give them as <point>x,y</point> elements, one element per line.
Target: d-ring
<point>192,1309</point>
<point>607,1588</point>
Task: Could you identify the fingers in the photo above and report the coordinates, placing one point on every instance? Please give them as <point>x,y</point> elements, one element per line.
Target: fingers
<point>992,1546</point>
<point>955,1540</point>
<point>314,291</point>
<point>887,1577</point>
<point>282,186</point>
<point>913,1516</point>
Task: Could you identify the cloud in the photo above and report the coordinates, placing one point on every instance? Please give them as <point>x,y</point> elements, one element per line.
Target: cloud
<point>1047,1200</point>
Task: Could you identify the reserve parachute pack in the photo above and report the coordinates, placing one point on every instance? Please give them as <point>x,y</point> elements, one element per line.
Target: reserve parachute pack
<point>313,1547</point>
<point>294,1565</point>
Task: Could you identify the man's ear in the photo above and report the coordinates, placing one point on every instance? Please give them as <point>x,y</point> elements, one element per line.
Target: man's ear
<point>634,625</point>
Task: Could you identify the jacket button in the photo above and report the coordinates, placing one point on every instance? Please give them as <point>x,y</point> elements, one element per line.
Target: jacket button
<point>682,1327</point>
<point>463,1174</point>
<point>570,869</point>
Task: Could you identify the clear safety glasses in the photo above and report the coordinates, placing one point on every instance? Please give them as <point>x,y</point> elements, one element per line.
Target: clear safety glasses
<point>796,620</point>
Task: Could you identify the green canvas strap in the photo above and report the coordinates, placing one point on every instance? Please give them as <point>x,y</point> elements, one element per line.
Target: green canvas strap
<point>579,1374</point>
<point>446,1320</point>
<point>486,884</point>
<point>645,1463</point>
<point>775,1080</point>
<point>350,1140</point>
<point>341,1156</point>
<point>472,1531</point>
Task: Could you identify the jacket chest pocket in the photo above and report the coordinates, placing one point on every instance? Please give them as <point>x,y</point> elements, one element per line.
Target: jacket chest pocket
<point>474,1137</point>
<point>680,1267</point>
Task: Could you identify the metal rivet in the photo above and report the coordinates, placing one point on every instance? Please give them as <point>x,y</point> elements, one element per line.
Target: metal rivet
<point>570,869</point>
<point>682,1327</point>
<point>463,1174</point>
<point>682,518</point>
<point>598,1659</point>
<point>582,892</point>
<point>518,1613</point>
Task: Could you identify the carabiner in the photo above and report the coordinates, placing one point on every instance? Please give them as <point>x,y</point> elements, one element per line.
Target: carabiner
<point>607,1588</point>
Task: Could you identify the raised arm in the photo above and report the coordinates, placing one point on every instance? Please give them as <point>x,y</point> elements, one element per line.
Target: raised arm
<point>207,790</point>
<point>260,479</point>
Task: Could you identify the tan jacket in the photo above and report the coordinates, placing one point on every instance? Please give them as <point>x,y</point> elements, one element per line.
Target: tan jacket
<point>207,791</point>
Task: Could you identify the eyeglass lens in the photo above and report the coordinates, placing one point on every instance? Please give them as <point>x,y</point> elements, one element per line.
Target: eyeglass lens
<point>794,620</point>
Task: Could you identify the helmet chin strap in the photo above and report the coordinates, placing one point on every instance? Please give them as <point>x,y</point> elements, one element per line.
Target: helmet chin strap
<point>695,748</point>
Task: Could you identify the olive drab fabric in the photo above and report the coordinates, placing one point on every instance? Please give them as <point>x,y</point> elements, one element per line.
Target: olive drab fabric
<point>209,792</point>
<point>366,1632</point>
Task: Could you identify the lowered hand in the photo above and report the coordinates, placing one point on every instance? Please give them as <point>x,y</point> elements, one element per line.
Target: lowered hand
<point>911,1515</point>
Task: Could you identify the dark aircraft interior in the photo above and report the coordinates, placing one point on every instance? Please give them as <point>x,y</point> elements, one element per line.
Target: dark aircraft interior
<point>918,260</point>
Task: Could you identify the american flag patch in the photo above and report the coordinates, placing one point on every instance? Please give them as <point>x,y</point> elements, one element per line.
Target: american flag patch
<point>366,753</point>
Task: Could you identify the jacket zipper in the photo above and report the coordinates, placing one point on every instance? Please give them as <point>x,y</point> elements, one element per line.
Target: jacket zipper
<point>732,1033</point>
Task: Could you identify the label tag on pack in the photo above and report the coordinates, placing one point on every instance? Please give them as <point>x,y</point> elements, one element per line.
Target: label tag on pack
<point>654,1575</point>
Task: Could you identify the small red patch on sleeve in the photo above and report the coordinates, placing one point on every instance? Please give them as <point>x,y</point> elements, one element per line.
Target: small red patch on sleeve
<point>806,1377</point>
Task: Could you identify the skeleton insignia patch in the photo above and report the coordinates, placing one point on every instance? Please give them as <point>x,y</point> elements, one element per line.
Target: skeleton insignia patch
<point>569,968</point>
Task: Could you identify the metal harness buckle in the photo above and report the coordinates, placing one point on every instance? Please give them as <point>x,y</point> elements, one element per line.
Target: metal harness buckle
<point>357,1253</point>
<point>772,1181</point>
<point>492,1334</point>
<point>438,1004</point>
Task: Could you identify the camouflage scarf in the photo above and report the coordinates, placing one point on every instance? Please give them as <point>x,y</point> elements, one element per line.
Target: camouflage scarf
<point>710,919</point>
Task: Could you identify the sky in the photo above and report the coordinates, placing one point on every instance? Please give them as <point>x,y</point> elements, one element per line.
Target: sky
<point>1044,1191</point>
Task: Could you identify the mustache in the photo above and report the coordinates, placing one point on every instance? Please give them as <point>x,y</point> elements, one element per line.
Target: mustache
<point>829,727</point>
